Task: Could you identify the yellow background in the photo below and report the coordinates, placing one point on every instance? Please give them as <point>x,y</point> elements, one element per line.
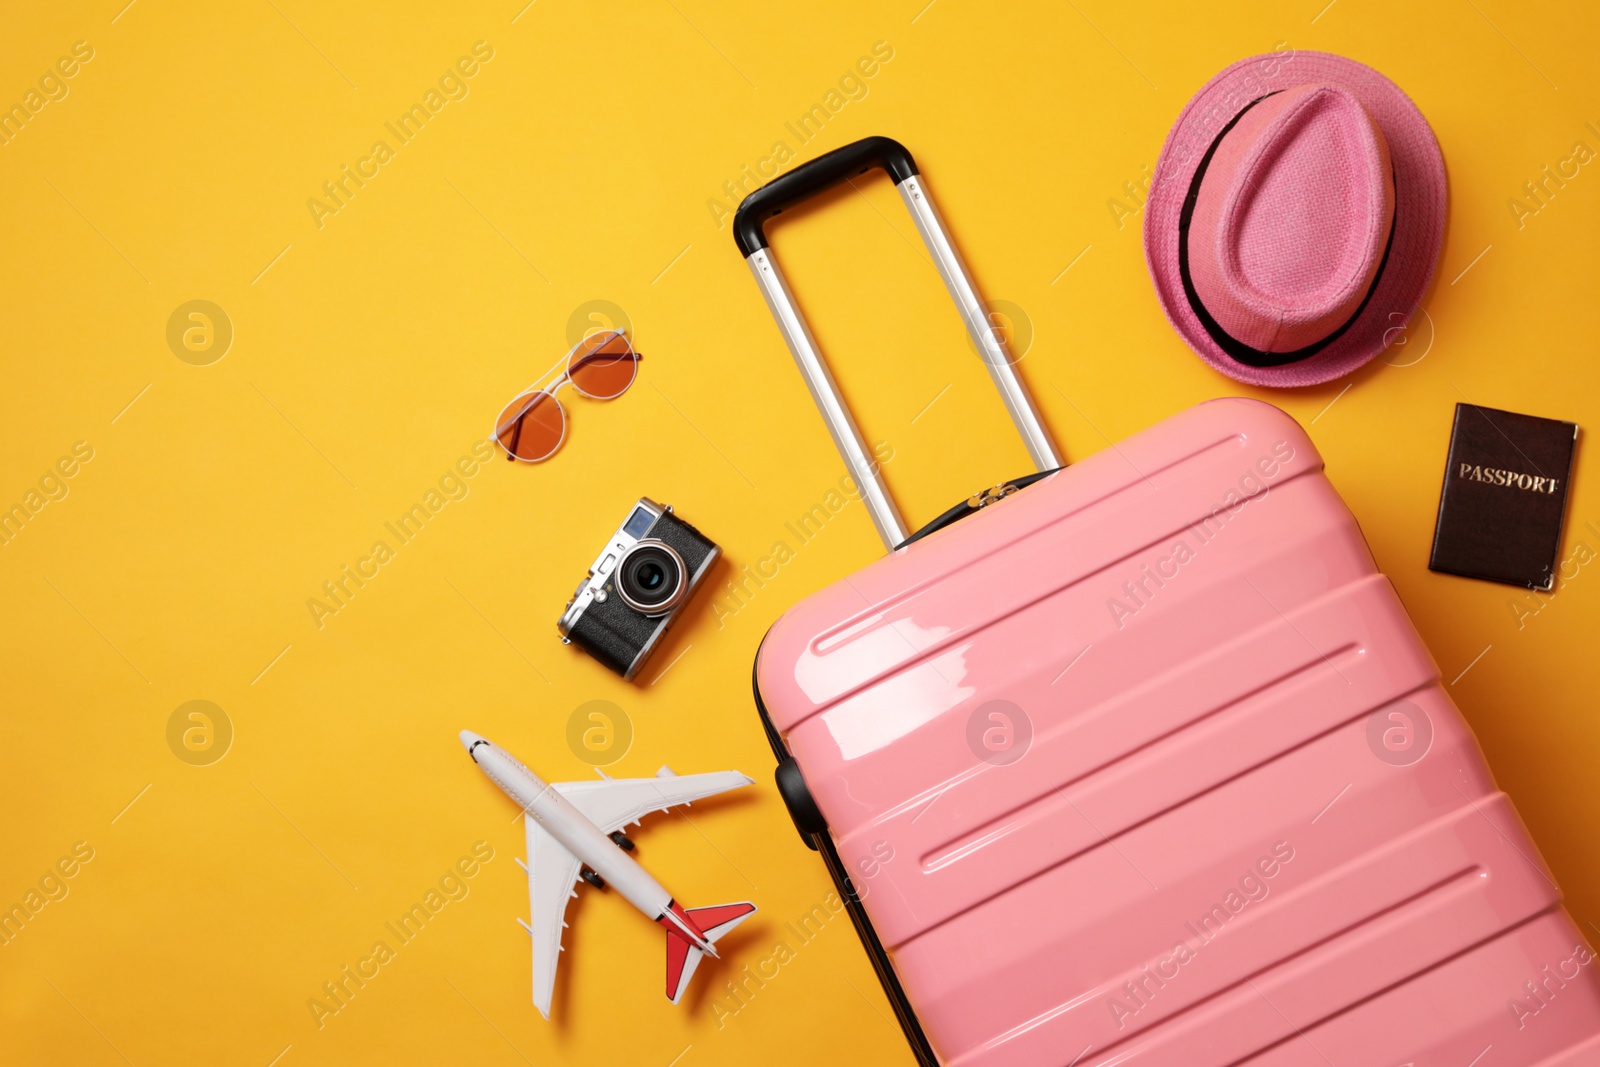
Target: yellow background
<point>371,352</point>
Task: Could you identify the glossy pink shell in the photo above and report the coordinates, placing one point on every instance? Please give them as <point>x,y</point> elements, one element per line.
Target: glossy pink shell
<point>1227,813</point>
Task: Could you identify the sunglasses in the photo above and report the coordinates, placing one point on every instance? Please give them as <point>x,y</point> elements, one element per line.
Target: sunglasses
<point>532,427</point>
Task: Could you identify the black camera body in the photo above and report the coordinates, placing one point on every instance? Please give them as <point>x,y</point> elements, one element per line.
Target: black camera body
<point>635,588</point>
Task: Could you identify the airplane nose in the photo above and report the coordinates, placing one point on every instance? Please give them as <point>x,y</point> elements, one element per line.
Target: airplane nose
<point>468,739</point>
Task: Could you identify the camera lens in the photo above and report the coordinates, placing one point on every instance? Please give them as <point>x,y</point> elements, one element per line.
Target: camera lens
<point>650,577</point>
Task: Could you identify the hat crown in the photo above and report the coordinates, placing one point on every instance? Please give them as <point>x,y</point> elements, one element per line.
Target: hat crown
<point>1292,218</point>
<point>1347,176</point>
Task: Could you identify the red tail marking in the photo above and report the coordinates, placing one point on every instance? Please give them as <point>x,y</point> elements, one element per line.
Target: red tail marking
<point>714,916</point>
<point>677,955</point>
<point>709,924</point>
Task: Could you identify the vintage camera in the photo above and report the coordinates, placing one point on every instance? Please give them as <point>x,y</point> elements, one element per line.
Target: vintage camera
<point>635,589</point>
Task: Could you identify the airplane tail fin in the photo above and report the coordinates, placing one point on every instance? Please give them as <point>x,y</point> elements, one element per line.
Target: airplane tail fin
<point>713,923</point>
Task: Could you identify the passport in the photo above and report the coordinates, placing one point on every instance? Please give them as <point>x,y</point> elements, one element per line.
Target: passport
<point>1504,497</point>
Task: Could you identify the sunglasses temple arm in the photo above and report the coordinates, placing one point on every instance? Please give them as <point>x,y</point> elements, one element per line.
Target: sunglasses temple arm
<point>566,360</point>
<point>516,435</point>
<point>592,356</point>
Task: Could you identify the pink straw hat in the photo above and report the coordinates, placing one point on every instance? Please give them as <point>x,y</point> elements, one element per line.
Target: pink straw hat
<point>1295,217</point>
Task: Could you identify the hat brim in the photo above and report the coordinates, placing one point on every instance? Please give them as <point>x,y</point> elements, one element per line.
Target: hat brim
<point>1420,199</point>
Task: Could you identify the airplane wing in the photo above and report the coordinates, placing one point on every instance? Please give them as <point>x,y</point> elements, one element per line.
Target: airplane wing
<point>552,870</point>
<point>612,803</point>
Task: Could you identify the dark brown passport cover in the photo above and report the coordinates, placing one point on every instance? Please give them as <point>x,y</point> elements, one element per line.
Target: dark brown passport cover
<point>1504,496</point>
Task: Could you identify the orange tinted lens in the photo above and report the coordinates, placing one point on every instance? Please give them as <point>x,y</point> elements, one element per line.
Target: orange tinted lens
<point>603,366</point>
<point>531,426</point>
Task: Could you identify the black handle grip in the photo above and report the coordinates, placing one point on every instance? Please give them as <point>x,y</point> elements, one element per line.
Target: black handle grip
<point>809,179</point>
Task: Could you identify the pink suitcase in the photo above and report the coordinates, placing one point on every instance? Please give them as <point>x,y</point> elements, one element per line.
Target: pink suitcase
<point>1146,765</point>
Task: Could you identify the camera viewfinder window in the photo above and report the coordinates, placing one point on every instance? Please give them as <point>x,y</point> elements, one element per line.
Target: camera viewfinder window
<point>639,523</point>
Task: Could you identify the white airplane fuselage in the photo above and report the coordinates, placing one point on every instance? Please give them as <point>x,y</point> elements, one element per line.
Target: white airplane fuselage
<point>564,822</point>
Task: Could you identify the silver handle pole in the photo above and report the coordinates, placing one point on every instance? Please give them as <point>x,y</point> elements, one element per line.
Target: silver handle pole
<point>858,458</point>
<point>1018,401</point>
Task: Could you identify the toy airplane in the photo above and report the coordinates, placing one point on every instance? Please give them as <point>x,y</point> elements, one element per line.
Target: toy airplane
<point>574,830</point>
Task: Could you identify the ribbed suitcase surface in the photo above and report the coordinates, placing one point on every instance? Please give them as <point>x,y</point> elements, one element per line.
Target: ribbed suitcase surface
<point>1146,765</point>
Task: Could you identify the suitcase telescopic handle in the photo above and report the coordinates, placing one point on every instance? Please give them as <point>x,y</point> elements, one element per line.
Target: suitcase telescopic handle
<point>816,176</point>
